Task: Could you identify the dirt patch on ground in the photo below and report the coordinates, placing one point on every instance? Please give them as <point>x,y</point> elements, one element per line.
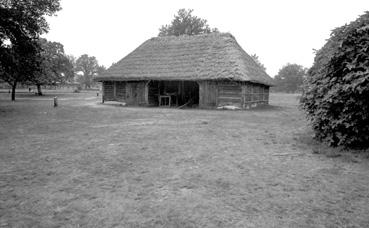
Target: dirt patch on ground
<point>78,165</point>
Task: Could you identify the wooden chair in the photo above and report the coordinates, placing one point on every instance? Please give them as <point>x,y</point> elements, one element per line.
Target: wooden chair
<point>163,99</point>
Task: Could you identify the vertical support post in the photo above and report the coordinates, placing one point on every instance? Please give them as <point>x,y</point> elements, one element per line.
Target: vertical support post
<point>115,90</point>
<point>103,92</point>
<point>147,92</point>
<point>55,102</point>
<point>243,95</point>
<point>201,93</point>
<point>216,84</point>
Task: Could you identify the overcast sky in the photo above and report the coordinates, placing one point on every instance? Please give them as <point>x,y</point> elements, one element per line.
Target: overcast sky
<point>279,32</point>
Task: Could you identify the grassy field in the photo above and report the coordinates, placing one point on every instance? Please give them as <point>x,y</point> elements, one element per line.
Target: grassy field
<point>85,164</point>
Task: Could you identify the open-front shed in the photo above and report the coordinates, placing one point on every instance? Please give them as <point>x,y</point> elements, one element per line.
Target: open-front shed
<point>207,71</point>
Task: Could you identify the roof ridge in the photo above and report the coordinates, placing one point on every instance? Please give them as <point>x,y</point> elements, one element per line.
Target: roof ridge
<point>189,37</point>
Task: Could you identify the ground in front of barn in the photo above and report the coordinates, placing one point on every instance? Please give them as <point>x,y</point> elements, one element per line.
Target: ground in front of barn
<point>87,164</point>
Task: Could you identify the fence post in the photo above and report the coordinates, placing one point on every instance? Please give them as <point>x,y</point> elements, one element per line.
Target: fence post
<point>55,102</point>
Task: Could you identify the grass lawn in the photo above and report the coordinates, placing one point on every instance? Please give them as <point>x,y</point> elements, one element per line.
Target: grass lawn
<point>85,164</point>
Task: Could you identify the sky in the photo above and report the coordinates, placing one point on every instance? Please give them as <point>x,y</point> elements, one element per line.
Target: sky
<point>279,32</point>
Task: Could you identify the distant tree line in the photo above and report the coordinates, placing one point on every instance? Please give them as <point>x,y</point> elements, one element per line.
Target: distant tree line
<point>290,78</point>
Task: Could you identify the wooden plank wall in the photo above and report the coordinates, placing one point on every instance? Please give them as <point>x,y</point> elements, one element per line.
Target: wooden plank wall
<point>108,91</point>
<point>212,93</point>
<point>141,93</point>
<point>254,94</point>
<point>208,94</point>
<point>230,93</point>
<point>136,93</point>
<point>120,91</point>
<point>133,93</point>
<point>153,92</point>
<point>239,94</point>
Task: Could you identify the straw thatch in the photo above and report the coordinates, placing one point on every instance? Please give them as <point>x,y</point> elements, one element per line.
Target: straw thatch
<point>215,56</point>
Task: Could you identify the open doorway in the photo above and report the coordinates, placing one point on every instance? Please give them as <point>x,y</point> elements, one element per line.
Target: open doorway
<point>173,93</point>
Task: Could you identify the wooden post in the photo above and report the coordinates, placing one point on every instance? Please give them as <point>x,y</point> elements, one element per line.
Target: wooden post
<point>147,92</point>
<point>55,102</point>
<point>103,92</point>
<point>201,97</point>
<point>115,90</point>
<point>243,95</point>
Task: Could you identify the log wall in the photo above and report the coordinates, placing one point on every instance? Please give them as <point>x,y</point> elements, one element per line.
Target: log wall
<point>212,94</point>
<point>254,94</point>
<point>240,94</point>
<point>120,91</point>
<point>230,93</point>
<point>153,92</point>
<point>108,91</point>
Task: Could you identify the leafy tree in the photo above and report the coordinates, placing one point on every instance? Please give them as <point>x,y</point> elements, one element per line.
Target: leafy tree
<point>87,67</point>
<point>21,23</point>
<point>257,61</point>
<point>72,59</point>
<point>18,63</point>
<point>101,69</point>
<point>336,91</point>
<point>185,23</point>
<point>290,78</point>
<point>55,65</point>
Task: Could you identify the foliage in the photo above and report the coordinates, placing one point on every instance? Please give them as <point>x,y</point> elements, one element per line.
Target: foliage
<point>257,61</point>
<point>185,23</point>
<point>55,65</point>
<point>336,91</point>
<point>290,78</point>
<point>87,67</point>
<point>21,23</point>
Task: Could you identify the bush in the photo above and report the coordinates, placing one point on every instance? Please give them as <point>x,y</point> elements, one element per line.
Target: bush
<point>78,89</point>
<point>336,91</point>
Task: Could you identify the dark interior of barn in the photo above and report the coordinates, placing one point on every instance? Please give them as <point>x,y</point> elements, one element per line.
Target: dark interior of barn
<point>174,93</point>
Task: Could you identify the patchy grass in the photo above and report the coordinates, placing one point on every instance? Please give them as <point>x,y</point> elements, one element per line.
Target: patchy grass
<point>92,165</point>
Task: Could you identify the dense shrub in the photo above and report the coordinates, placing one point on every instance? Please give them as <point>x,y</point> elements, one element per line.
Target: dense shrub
<point>336,91</point>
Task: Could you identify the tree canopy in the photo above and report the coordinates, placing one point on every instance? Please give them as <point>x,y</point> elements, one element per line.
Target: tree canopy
<point>87,67</point>
<point>21,24</point>
<point>185,23</point>
<point>336,91</point>
<point>257,61</point>
<point>290,78</point>
<point>55,66</point>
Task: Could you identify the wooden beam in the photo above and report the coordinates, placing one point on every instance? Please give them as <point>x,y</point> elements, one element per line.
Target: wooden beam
<point>115,90</point>
<point>102,91</point>
<point>147,93</point>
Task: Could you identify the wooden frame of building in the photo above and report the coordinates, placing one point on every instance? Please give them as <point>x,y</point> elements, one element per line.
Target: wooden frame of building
<point>207,71</point>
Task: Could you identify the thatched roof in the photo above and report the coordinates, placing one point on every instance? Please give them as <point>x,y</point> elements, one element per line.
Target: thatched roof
<point>215,56</point>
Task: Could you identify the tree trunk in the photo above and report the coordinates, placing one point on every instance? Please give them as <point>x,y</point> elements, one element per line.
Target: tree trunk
<point>39,92</point>
<point>14,86</point>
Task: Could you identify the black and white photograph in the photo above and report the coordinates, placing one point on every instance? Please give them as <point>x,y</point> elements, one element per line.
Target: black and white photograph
<point>184,113</point>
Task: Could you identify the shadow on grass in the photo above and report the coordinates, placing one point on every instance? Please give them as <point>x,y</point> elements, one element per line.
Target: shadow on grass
<point>307,141</point>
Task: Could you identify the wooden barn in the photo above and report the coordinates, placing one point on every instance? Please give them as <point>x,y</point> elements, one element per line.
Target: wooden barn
<point>205,71</point>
